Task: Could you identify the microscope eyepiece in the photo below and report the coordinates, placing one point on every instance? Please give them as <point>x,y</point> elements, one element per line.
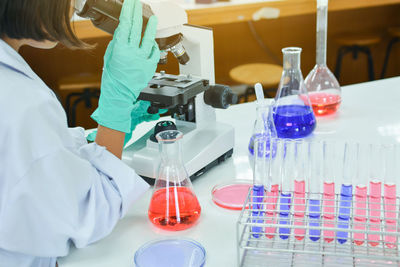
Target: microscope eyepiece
<point>105,15</point>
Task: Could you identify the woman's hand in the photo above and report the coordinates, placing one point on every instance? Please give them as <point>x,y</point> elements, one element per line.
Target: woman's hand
<point>129,64</point>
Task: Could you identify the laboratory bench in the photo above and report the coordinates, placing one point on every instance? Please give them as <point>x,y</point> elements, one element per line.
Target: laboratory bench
<point>364,116</point>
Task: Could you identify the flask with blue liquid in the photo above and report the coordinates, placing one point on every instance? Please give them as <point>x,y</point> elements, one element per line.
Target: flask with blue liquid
<point>292,111</point>
<point>264,128</point>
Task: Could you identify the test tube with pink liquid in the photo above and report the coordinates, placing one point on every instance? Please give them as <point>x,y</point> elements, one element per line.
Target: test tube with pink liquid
<point>375,194</point>
<point>299,207</point>
<point>389,193</point>
<point>271,199</point>
<point>328,198</point>
<point>360,195</point>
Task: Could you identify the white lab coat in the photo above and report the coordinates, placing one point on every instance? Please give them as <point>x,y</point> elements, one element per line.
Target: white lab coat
<point>55,189</point>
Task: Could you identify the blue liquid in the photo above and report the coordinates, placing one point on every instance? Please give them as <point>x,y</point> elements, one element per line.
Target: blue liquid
<point>258,194</point>
<point>284,210</point>
<point>346,195</point>
<point>266,148</point>
<point>294,121</point>
<point>315,215</point>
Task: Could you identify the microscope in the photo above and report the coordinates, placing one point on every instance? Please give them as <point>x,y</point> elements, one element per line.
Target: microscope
<point>191,97</point>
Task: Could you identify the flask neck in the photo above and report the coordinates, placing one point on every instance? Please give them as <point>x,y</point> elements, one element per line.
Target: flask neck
<point>322,25</point>
<point>170,151</point>
<point>291,58</point>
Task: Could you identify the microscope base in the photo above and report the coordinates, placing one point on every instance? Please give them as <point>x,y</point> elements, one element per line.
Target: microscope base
<point>202,149</point>
<point>194,176</point>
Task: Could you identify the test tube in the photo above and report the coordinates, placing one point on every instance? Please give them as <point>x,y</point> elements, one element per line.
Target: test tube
<point>328,149</point>
<point>391,170</point>
<point>285,199</point>
<point>360,210</point>
<point>260,175</point>
<point>314,192</point>
<point>272,195</point>
<point>346,195</point>
<point>299,201</point>
<point>375,194</point>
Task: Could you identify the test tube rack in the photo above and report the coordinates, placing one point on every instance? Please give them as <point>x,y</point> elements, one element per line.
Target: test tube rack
<point>255,249</point>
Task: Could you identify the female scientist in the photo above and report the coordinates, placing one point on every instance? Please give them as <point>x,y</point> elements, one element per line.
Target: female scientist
<point>55,188</point>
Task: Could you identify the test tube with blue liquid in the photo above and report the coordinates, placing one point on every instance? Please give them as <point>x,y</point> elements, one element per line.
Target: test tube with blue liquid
<point>260,183</point>
<point>285,201</point>
<point>346,194</point>
<point>390,199</point>
<point>314,191</point>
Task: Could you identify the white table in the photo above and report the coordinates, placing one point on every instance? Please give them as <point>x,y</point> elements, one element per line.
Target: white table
<point>370,112</point>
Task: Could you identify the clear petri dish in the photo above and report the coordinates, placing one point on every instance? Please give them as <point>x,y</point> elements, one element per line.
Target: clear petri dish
<point>178,252</point>
<point>231,195</point>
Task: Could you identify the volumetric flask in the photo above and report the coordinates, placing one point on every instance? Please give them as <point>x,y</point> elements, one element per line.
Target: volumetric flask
<point>173,206</point>
<point>323,88</point>
<point>292,112</point>
<point>264,129</point>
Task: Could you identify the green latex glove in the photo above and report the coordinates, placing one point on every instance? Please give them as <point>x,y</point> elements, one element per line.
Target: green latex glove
<point>139,114</point>
<point>129,65</point>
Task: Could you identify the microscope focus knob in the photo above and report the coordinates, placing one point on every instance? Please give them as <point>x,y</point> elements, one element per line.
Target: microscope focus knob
<point>220,96</point>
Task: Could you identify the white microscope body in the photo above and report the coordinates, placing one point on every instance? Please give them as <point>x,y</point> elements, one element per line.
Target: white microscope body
<point>206,142</point>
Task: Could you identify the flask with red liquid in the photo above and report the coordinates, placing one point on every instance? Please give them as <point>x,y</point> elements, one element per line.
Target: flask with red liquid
<point>173,205</point>
<point>323,88</point>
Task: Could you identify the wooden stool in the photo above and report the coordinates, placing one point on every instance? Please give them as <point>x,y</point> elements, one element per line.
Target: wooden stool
<point>269,75</point>
<point>356,43</point>
<point>86,87</point>
<point>395,34</point>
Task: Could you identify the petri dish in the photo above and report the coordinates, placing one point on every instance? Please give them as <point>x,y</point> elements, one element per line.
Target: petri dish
<point>179,252</point>
<point>231,195</point>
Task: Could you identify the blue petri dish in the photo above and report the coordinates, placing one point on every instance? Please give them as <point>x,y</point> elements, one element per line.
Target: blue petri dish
<point>178,252</point>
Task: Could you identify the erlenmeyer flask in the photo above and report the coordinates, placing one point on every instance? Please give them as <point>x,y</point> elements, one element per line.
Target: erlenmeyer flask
<point>323,88</point>
<point>292,112</point>
<point>264,128</point>
<point>173,206</point>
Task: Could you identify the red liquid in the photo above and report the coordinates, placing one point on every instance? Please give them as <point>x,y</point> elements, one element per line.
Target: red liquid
<point>324,103</point>
<point>374,211</point>
<point>271,199</point>
<point>329,210</point>
<point>390,214</point>
<point>174,208</point>
<point>299,208</point>
<point>231,196</point>
<point>360,214</point>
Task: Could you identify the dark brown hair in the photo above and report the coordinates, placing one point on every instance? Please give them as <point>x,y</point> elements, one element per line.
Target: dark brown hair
<point>38,20</point>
